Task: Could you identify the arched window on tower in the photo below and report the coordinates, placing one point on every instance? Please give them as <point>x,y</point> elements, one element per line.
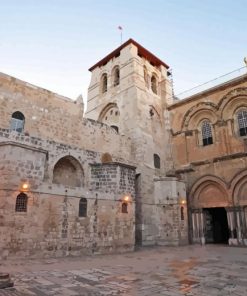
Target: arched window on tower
<point>83,207</point>
<point>242,123</point>
<point>104,83</point>
<point>17,122</point>
<point>154,84</point>
<point>21,202</point>
<point>156,161</point>
<point>116,76</point>
<point>206,130</point>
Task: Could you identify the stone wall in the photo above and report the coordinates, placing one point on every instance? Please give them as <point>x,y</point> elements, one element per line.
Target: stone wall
<point>51,226</point>
<point>52,117</point>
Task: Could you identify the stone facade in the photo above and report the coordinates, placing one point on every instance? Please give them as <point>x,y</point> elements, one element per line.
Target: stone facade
<point>215,171</point>
<point>73,184</point>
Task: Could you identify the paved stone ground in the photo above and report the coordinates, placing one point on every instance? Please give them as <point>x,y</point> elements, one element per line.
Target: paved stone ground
<point>192,270</point>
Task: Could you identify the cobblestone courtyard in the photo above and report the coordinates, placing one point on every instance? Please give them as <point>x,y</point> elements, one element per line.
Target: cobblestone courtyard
<point>192,270</point>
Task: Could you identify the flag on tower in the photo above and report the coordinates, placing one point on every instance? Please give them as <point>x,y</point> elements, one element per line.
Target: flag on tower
<point>120,28</point>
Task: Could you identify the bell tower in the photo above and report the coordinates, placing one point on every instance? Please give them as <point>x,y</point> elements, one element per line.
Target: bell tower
<point>130,91</point>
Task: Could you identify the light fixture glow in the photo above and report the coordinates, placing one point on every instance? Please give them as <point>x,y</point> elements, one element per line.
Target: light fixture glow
<point>25,186</point>
<point>126,198</point>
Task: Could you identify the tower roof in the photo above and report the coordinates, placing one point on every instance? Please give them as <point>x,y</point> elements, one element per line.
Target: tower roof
<point>141,51</point>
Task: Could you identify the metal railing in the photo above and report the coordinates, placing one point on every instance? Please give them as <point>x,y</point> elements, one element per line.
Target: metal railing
<point>212,83</point>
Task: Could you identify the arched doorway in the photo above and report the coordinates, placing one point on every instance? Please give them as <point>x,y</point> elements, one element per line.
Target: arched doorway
<point>209,205</point>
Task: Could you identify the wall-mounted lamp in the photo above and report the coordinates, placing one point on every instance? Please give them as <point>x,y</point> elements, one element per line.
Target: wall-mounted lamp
<point>126,198</point>
<point>182,200</point>
<point>25,186</point>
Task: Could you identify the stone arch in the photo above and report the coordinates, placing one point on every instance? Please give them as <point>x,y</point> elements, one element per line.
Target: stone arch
<point>239,188</point>
<point>68,172</point>
<point>155,122</point>
<point>208,192</point>
<point>198,112</point>
<point>110,115</point>
<point>229,98</point>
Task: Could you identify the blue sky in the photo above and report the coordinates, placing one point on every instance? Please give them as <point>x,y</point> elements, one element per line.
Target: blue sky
<point>52,43</point>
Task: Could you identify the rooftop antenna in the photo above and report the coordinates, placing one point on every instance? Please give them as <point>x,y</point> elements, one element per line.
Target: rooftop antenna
<point>121,34</point>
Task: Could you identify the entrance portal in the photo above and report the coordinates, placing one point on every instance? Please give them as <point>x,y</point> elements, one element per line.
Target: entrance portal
<point>216,226</point>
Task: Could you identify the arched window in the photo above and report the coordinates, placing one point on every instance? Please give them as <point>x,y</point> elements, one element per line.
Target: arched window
<point>104,83</point>
<point>242,122</point>
<point>116,76</point>
<point>124,208</point>
<point>21,202</point>
<point>145,74</point>
<point>17,122</point>
<point>156,161</point>
<point>206,129</point>
<point>154,84</point>
<point>83,207</point>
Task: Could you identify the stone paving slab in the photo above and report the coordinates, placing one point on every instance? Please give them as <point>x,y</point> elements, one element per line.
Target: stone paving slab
<point>191,271</point>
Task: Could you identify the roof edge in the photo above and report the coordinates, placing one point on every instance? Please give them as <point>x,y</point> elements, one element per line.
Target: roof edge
<point>143,51</point>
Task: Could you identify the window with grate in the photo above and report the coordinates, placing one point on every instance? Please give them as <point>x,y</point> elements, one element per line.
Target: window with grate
<point>156,161</point>
<point>242,122</point>
<point>17,122</point>
<point>124,208</point>
<point>207,138</point>
<point>21,203</point>
<point>83,207</point>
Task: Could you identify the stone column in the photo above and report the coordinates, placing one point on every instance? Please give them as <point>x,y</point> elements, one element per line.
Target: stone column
<point>241,225</point>
<point>197,226</point>
<point>202,227</point>
<point>231,226</point>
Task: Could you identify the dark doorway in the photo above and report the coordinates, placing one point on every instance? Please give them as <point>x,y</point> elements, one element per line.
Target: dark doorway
<point>216,226</point>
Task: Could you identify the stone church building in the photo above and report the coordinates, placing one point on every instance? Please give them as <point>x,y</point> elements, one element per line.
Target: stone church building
<point>136,168</point>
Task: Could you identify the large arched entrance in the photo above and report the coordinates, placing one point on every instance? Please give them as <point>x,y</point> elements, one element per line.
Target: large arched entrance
<point>209,211</point>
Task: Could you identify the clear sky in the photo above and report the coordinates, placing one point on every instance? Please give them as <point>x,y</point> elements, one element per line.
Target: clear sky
<point>52,43</point>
